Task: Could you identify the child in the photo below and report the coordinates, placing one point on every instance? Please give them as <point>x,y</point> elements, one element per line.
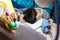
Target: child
<point>31,15</point>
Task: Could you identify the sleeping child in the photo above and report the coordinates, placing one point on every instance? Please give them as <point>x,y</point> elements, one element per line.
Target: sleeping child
<point>31,15</point>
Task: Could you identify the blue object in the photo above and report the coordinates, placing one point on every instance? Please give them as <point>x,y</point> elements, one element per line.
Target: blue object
<point>59,6</point>
<point>45,25</point>
<point>23,3</point>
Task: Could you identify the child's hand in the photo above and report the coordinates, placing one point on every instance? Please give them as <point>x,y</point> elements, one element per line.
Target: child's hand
<point>20,18</point>
<point>51,21</point>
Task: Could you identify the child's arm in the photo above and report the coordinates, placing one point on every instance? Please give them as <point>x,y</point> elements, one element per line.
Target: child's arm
<point>45,14</point>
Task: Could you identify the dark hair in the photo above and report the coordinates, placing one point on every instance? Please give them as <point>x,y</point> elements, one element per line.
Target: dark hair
<point>30,15</point>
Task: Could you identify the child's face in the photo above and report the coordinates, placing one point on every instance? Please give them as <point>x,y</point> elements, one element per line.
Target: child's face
<point>39,14</point>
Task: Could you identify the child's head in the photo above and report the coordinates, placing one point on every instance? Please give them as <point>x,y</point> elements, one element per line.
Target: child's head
<point>30,15</point>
